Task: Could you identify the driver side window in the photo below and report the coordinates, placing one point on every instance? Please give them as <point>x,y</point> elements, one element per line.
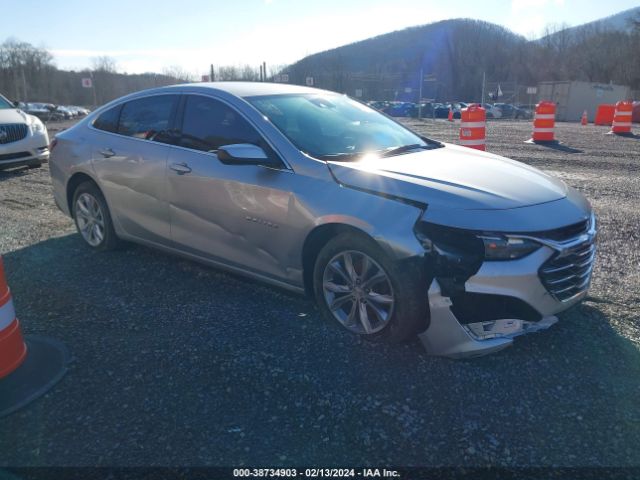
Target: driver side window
<point>209,124</point>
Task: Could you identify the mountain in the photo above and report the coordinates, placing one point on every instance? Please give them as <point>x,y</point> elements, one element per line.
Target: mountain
<point>622,22</point>
<point>454,55</point>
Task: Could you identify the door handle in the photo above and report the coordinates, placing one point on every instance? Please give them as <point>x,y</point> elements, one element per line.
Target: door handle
<point>180,168</point>
<point>107,153</point>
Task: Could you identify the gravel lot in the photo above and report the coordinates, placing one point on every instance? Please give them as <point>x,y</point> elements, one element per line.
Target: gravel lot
<point>180,364</point>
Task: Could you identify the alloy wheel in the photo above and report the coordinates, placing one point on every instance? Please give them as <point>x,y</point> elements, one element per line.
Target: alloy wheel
<point>90,219</point>
<point>358,292</point>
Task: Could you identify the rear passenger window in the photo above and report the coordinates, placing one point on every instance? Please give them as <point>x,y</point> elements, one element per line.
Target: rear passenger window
<point>108,121</point>
<point>209,124</point>
<point>148,118</point>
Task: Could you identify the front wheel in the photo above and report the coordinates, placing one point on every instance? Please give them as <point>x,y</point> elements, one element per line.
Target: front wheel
<point>368,293</point>
<point>92,217</point>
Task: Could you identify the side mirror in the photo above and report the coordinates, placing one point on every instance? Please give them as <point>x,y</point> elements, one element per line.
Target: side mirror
<point>245,154</point>
<point>16,104</point>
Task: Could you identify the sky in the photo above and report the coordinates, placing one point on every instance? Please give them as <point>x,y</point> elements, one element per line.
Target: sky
<point>143,36</point>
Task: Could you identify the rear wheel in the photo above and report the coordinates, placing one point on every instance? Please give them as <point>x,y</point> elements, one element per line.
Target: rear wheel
<point>92,217</point>
<point>358,285</point>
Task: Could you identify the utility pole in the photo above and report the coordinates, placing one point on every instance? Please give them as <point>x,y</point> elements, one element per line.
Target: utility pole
<point>93,89</point>
<point>212,76</point>
<point>24,83</point>
<point>264,70</point>
<point>420,95</point>
<point>261,73</point>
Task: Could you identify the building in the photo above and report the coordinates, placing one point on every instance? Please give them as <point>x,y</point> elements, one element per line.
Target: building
<point>573,98</point>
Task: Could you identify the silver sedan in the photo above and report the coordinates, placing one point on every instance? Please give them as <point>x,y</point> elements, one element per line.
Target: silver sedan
<point>394,234</point>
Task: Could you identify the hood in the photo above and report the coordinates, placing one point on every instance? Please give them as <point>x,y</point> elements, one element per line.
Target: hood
<point>452,177</point>
<point>13,115</point>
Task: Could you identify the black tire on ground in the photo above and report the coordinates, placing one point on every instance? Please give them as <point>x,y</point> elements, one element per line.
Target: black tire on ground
<point>110,240</point>
<point>410,312</point>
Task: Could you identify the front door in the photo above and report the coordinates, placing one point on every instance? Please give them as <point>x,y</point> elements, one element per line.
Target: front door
<point>233,214</point>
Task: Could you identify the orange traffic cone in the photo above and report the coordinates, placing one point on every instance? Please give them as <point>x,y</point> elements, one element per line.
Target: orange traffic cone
<point>621,124</point>
<point>472,126</point>
<point>28,366</point>
<point>450,116</point>
<point>584,120</point>
<point>544,123</point>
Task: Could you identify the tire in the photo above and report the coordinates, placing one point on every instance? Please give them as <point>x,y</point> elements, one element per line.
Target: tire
<point>403,286</point>
<point>89,206</point>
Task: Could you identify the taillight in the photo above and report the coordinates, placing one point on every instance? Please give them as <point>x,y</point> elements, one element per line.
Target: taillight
<point>53,144</point>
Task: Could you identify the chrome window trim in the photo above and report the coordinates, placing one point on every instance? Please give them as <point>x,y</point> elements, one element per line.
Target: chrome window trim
<point>287,165</point>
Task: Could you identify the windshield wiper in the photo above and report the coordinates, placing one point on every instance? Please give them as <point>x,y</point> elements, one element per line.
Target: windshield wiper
<point>403,149</point>
<point>341,156</point>
<point>387,152</point>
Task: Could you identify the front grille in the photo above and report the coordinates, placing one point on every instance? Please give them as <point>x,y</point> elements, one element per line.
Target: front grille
<point>568,273</point>
<point>13,156</point>
<point>565,233</point>
<point>12,132</point>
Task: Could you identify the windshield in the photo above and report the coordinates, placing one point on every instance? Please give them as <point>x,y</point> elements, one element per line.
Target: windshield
<point>335,127</point>
<point>4,103</point>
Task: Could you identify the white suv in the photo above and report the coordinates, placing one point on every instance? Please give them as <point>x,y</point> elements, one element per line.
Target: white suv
<point>23,138</point>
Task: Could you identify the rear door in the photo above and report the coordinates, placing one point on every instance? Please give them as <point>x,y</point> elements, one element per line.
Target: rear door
<point>131,161</point>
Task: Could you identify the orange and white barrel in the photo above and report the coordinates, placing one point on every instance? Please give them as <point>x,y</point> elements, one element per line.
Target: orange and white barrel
<point>12,347</point>
<point>622,118</point>
<point>473,126</point>
<point>544,122</point>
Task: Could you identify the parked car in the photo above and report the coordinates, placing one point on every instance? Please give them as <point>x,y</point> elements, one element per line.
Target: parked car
<point>401,109</point>
<point>492,111</point>
<point>80,111</point>
<point>393,233</point>
<point>64,113</point>
<point>23,137</point>
<point>37,110</point>
<point>442,110</point>
<point>428,110</point>
<point>378,105</point>
<point>508,110</point>
<point>527,109</point>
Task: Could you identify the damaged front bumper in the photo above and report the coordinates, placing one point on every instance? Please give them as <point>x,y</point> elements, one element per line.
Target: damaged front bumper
<point>505,299</point>
<point>447,337</point>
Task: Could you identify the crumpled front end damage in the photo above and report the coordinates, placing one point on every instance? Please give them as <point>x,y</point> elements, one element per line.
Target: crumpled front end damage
<point>479,306</point>
<point>447,337</point>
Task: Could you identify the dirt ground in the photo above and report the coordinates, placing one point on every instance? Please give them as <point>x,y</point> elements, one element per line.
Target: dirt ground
<point>177,364</point>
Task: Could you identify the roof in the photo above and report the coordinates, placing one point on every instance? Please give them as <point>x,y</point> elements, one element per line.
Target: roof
<point>250,89</point>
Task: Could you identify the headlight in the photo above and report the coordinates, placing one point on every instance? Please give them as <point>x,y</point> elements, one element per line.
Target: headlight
<point>37,127</point>
<point>507,248</point>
